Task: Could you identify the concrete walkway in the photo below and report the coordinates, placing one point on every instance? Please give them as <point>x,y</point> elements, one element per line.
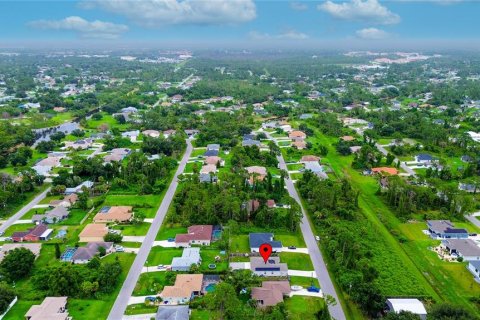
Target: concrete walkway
<point>151,269</point>
<point>304,292</point>
<point>164,243</point>
<point>24,221</point>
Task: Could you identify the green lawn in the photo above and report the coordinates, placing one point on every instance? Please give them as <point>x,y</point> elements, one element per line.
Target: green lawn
<point>140,308</point>
<point>160,255</point>
<point>303,281</point>
<point>18,227</point>
<point>169,231</point>
<point>239,243</point>
<point>208,257</point>
<point>74,218</point>
<point>297,261</point>
<point>303,308</point>
<point>32,212</point>
<point>22,200</point>
<point>139,229</point>
<point>146,204</point>
<point>151,283</point>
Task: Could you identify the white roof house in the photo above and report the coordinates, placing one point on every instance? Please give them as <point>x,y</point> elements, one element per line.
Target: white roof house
<point>414,306</point>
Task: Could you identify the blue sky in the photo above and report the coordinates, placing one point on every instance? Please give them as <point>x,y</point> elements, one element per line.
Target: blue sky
<point>245,21</point>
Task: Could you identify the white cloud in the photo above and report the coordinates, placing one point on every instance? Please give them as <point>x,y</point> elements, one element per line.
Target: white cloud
<point>298,6</point>
<point>370,11</point>
<point>153,13</point>
<point>371,34</point>
<point>85,29</point>
<point>287,35</point>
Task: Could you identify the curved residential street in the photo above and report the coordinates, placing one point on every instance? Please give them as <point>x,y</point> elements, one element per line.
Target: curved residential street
<point>128,286</point>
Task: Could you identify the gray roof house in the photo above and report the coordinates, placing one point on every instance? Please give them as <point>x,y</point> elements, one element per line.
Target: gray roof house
<point>445,229</point>
<point>248,143</point>
<point>257,239</point>
<point>213,147</point>
<point>78,189</point>
<point>189,256</point>
<point>85,254</point>
<point>465,248</point>
<point>173,313</point>
<point>55,215</point>
<point>272,268</point>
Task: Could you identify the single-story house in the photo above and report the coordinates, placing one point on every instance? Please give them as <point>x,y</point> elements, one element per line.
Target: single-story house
<point>424,158</point>
<point>207,178</point>
<point>197,234</point>
<point>151,133</point>
<point>117,154</point>
<point>186,287</point>
<point>300,145</point>
<point>272,268</point>
<point>474,268</point>
<point>215,161</point>
<point>85,254</point>
<point>355,149</point>
<point>414,306</point>
<point>93,232</point>
<point>445,229</point>
<point>258,172</point>
<point>54,308</point>
<point>129,110</point>
<point>257,239</point>
<point>132,135</point>
<point>173,313</point>
<point>78,189</point>
<point>114,214</point>
<point>249,143</point>
<point>297,135</point>
<point>347,138</point>
<point>270,293</point>
<point>55,215</point>
<point>309,159</point>
<point>66,202</point>
<point>81,144</point>
<point>33,247</point>
<point>49,162</point>
<point>168,133</point>
<point>464,248</point>
<point>38,233</point>
<point>208,168</point>
<point>213,146</point>
<point>191,132</point>
<point>211,153</point>
<point>189,257</point>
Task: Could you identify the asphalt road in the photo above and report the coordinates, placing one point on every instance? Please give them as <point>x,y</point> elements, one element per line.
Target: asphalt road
<point>121,302</point>
<point>24,210</point>
<point>323,277</point>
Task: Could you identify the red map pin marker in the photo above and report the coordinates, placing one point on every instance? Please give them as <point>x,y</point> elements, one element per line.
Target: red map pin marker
<point>265,251</point>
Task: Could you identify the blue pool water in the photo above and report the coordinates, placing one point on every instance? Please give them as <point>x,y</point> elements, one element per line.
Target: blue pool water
<point>210,287</point>
<point>68,254</point>
<point>217,234</point>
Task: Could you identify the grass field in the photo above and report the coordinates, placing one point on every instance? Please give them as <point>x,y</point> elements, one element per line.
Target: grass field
<point>150,283</point>
<point>403,266</point>
<point>139,229</point>
<point>140,308</point>
<point>208,257</point>
<point>146,204</point>
<point>303,308</point>
<point>160,255</point>
<point>297,261</point>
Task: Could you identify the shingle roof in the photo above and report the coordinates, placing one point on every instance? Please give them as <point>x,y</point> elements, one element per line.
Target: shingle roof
<point>257,239</point>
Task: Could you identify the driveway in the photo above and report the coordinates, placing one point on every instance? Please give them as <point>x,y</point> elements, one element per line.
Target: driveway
<point>126,291</point>
<point>133,238</point>
<point>164,243</point>
<point>140,316</point>
<point>301,273</point>
<point>20,213</point>
<point>153,269</point>
<point>304,292</point>
<point>298,250</point>
<point>135,300</point>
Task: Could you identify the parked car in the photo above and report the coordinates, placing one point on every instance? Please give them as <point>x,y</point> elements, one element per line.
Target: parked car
<point>317,238</point>
<point>313,289</point>
<point>292,247</point>
<point>119,249</point>
<point>160,266</point>
<point>171,239</point>
<point>2,233</point>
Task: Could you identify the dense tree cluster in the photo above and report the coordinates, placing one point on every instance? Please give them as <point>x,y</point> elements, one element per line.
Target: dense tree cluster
<point>13,191</point>
<point>83,281</point>
<point>12,138</point>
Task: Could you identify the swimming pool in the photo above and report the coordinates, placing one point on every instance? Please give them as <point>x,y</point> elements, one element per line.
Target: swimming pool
<point>210,287</point>
<point>217,234</point>
<point>68,254</point>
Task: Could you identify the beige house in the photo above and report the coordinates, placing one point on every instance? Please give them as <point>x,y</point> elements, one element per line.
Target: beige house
<point>52,308</point>
<point>93,232</point>
<point>186,287</point>
<point>114,214</point>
